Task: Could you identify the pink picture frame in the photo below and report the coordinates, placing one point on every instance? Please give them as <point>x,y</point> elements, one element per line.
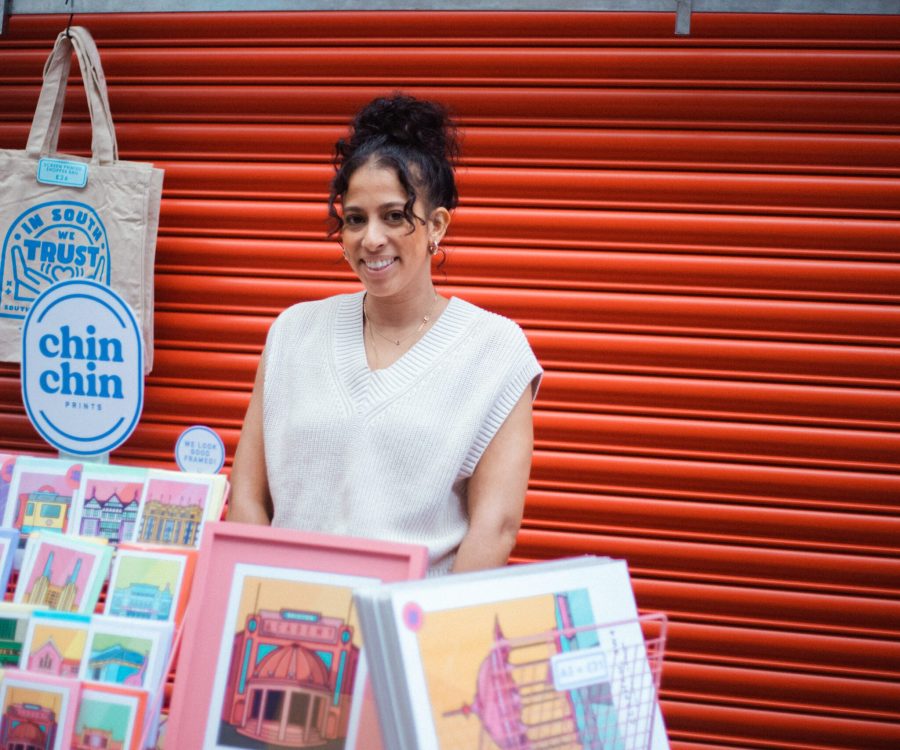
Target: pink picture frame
<point>236,556</point>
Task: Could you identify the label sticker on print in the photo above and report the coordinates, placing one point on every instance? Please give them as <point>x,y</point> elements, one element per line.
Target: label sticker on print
<point>62,172</point>
<point>82,368</point>
<point>48,243</point>
<point>574,669</point>
<point>200,449</point>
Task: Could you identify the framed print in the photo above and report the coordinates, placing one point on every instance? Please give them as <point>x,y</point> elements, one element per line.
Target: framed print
<point>107,502</point>
<point>37,710</point>
<point>55,643</point>
<point>9,544</point>
<point>62,573</point>
<point>175,506</point>
<point>7,461</point>
<point>151,583</point>
<point>275,645</point>
<point>124,651</point>
<point>13,630</point>
<point>40,494</point>
<point>110,717</point>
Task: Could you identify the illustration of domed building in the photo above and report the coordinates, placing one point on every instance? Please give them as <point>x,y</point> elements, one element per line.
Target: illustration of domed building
<point>27,726</point>
<point>291,678</point>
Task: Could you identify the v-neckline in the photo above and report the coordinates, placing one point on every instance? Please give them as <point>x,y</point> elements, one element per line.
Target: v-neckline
<point>367,386</point>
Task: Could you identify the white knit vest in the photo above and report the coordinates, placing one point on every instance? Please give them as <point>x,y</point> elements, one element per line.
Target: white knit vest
<point>386,454</point>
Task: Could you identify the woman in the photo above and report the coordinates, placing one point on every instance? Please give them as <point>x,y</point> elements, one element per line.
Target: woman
<point>392,413</point>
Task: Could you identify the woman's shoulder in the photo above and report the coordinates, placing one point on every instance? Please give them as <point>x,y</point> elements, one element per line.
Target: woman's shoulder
<point>487,322</point>
<point>303,319</point>
<point>311,310</point>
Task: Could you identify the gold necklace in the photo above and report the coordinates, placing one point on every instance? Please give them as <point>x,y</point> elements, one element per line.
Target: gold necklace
<point>396,342</point>
<point>372,339</point>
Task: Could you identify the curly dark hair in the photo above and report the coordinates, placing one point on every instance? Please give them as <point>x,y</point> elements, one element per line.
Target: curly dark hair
<point>416,138</point>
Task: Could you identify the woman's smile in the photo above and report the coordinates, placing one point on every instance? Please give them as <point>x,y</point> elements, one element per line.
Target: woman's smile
<point>378,264</point>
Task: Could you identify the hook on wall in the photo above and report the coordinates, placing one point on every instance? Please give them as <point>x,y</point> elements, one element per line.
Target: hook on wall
<point>71,16</point>
<point>683,10</point>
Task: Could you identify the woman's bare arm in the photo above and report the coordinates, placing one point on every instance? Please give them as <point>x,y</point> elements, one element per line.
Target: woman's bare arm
<point>250,501</point>
<point>497,492</point>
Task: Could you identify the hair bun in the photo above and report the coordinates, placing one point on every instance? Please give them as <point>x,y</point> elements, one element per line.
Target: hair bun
<point>415,138</point>
<point>404,121</point>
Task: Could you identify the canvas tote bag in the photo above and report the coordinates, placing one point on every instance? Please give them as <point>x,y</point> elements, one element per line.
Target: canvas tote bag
<point>52,228</point>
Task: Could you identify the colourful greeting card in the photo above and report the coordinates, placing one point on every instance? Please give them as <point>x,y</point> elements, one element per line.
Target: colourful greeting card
<point>110,717</point>
<point>150,583</point>
<point>13,629</point>
<point>40,494</point>
<point>107,502</point>
<point>55,643</point>
<point>7,461</point>
<point>290,623</point>
<point>62,572</point>
<point>124,651</point>
<point>175,506</point>
<point>9,544</point>
<point>38,711</point>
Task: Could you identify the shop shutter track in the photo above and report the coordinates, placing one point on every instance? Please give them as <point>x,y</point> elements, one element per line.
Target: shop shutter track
<point>699,236</point>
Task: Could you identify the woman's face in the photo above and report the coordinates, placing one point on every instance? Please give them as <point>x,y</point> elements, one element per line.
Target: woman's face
<point>390,257</point>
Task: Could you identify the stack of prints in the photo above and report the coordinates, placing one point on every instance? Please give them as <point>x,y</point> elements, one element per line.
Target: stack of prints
<point>547,655</point>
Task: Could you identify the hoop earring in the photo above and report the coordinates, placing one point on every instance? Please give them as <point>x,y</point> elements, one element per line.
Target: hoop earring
<point>433,247</point>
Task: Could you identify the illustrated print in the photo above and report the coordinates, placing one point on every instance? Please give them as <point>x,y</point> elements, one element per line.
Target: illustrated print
<point>118,659</point>
<point>56,649</point>
<point>43,490</point>
<point>13,629</point>
<point>7,461</point>
<point>104,721</point>
<point>293,660</point>
<point>512,702</point>
<point>109,509</point>
<point>59,578</point>
<point>172,512</point>
<point>144,587</point>
<point>30,715</point>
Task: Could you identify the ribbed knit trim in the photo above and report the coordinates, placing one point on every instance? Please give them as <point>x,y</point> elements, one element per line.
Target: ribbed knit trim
<point>367,386</point>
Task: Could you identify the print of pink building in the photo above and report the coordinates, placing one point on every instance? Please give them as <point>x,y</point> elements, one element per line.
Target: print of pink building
<point>49,659</point>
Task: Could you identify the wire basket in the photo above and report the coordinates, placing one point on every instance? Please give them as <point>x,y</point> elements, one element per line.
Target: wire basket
<point>580,688</point>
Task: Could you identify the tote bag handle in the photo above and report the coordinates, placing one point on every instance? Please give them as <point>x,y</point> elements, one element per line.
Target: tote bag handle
<point>44,135</point>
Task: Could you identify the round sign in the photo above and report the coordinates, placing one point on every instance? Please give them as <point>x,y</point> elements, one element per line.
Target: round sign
<point>200,449</point>
<point>82,367</point>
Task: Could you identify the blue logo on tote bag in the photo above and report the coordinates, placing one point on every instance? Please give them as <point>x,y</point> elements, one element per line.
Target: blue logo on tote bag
<point>51,242</point>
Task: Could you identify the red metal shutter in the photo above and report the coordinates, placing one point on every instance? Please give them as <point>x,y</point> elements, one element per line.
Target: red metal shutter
<point>699,236</point>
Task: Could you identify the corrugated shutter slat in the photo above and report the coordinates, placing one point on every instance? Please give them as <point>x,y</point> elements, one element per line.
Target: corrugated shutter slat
<point>700,238</point>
